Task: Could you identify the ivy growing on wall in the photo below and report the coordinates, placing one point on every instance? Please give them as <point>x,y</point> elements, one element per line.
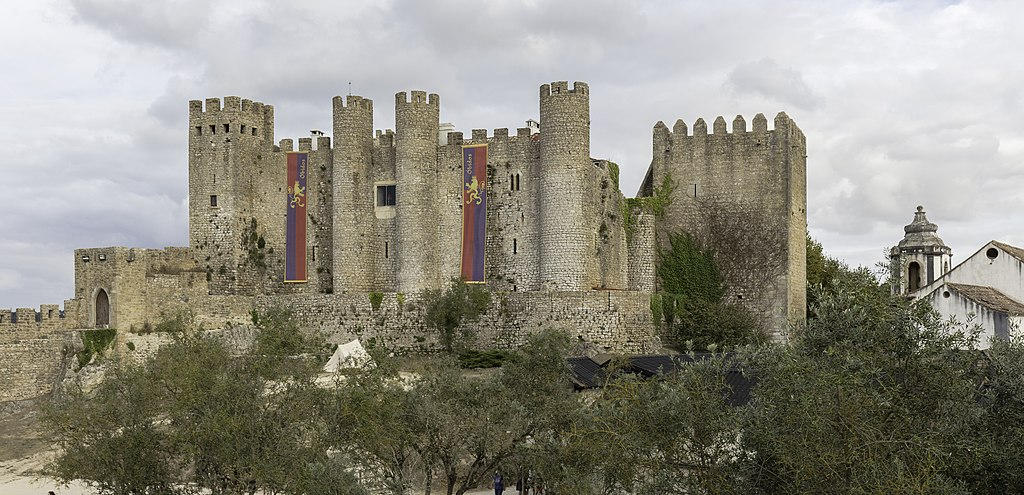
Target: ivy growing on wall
<point>254,245</point>
<point>613,173</point>
<point>95,342</point>
<point>656,204</point>
<point>692,302</point>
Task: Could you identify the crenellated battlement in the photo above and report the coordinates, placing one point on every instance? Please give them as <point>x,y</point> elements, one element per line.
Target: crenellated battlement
<point>782,124</point>
<point>351,103</point>
<point>232,104</point>
<point>27,323</point>
<point>417,98</point>
<point>481,136</point>
<point>385,138</point>
<point>237,117</point>
<point>562,88</point>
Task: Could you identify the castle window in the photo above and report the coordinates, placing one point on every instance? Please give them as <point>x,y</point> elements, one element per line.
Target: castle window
<point>386,253</point>
<point>386,195</point>
<point>227,128</point>
<point>517,182</point>
<point>253,131</point>
<point>515,246</point>
<point>695,190</point>
<point>511,182</point>
<point>314,253</point>
<point>243,128</point>
<point>213,200</point>
<point>199,130</point>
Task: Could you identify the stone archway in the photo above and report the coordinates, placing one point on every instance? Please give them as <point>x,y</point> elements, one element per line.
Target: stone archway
<point>914,276</point>
<point>102,309</point>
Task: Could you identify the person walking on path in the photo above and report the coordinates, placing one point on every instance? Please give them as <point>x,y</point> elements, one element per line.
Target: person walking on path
<point>499,483</point>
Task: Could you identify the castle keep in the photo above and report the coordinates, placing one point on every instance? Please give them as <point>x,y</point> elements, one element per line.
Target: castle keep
<point>384,211</point>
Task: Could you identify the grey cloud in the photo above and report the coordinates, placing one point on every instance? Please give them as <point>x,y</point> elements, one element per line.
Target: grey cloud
<point>767,79</point>
<point>166,24</point>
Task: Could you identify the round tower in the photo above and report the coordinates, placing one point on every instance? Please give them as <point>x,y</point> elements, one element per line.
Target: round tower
<point>353,195</point>
<point>920,258</point>
<point>565,245</point>
<point>416,128</point>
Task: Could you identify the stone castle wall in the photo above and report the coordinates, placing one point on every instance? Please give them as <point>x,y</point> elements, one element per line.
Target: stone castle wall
<point>758,175</point>
<point>618,321</point>
<point>31,367</point>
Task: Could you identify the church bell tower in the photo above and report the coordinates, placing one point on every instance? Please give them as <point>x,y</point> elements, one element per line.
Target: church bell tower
<point>920,258</point>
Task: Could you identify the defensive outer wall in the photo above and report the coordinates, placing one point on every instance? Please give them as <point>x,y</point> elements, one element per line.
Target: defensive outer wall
<point>558,253</point>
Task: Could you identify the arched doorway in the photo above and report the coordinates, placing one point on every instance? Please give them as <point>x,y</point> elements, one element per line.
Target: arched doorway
<point>914,276</point>
<point>102,309</point>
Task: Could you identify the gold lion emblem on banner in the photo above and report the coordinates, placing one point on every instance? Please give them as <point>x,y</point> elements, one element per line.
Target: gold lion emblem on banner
<point>298,196</point>
<point>474,188</point>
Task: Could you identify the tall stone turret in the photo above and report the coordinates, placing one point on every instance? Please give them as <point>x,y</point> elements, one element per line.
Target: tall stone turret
<point>564,160</point>
<point>416,128</point>
<point>225,144</point>
<point>354,262</point>
<point>920,258</point>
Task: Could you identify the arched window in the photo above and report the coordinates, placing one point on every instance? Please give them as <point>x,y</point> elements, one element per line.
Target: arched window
<point>913,276</point>
<point>102,309</point>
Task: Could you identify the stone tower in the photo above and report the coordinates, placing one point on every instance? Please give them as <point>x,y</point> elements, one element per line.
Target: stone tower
<point>225,144</point>
<point>564,162</point>
<point>354,261</point>
<point>416,128</point>
<point>920,258</point>
<point>750,184</point>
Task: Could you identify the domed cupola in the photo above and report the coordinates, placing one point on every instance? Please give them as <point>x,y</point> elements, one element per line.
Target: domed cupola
<point>921,257</point>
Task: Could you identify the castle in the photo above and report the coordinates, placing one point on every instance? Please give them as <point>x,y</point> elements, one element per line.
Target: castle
<point>383,214</point>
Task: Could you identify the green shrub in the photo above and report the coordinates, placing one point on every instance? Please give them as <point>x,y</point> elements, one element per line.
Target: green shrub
<point>177,322</point>
<point>375,299</point>
<point>130,345</point>
<point>657,312</point>
<point>693,303</point>
<point>448,309</point>
<point>95,342</point>
<point>491,358</point>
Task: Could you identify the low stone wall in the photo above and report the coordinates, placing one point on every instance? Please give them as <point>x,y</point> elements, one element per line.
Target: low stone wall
<point>618,321</point>
<point>29,368</point>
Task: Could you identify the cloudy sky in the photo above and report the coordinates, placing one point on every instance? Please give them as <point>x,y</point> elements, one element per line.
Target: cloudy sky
<point>903,103</point>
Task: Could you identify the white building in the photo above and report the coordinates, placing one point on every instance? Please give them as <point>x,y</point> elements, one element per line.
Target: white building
<point>986,289</point>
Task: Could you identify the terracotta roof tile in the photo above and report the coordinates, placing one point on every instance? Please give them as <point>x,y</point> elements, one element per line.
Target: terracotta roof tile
<point>990,298</point>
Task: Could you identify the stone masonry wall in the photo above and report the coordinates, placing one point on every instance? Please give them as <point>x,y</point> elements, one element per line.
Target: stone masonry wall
<point>759,174</point>
<point>29,368</point>
<point>618,321</point>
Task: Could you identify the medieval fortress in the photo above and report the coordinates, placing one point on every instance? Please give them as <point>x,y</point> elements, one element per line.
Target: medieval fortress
<point>563,247</point>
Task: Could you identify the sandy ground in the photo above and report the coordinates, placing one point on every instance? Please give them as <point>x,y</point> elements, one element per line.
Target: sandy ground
<point>23,454</point>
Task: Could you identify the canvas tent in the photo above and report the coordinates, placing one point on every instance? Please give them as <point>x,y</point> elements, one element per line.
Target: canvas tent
<point>350,355</point>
